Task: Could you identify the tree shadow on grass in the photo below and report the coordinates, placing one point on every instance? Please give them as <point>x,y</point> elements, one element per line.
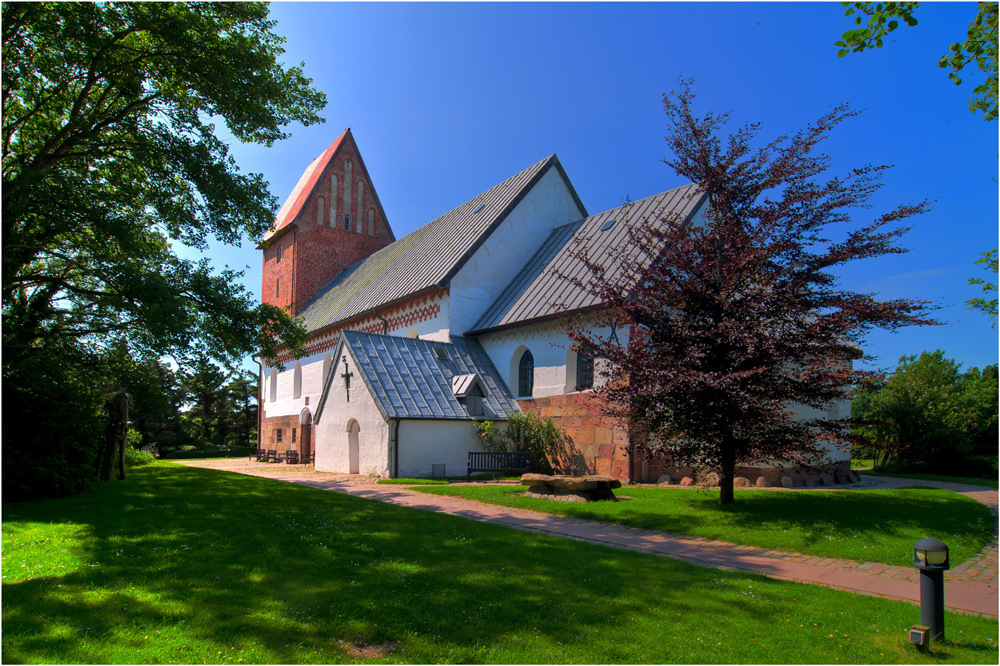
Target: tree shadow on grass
<point>206,561</point>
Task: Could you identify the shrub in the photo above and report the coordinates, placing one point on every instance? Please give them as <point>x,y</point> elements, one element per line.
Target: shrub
<point>524,431</point>
<point>137,457</point>
<point>928,416</point>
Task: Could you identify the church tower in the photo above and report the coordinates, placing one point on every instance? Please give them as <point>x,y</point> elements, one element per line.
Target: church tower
<point>331,220</point>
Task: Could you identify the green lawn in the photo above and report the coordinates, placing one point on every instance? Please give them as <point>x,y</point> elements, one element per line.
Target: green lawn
<point>864,525</point>
<point>186,565</point>
<point>971,480</point>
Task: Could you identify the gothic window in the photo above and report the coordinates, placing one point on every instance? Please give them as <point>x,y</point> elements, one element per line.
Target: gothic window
<point>361,205</point>
<point>277,287</point>
<point>347,195</point>
<point>297,381</point>
<point>333,200</point>
<point>273,385</point>
<point>584,372</point>
<point>371,221</point>
<point>279,254</point>
<point>320,208</point>
<point>525,374</point>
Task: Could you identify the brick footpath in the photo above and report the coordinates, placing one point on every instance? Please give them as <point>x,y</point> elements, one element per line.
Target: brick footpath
<point>970,587</point>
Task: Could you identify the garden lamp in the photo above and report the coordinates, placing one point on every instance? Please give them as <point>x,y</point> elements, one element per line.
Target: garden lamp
<point>930,556</point>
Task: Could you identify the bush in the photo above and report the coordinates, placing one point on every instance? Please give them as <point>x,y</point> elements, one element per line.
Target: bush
<point>524,431</point>
<point>52,427</point>
<point>137,457</point>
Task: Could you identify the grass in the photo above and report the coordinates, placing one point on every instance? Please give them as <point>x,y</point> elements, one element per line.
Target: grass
<point>971,480</point>
<point>186,565</point>
<point>864,525</point>
<point>413,482</point>
<point>862,463</point>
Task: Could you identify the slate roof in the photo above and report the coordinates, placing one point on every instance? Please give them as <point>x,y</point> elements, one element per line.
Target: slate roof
<point>427,257</point>
<point>538,292</point>
<point>408,381</point>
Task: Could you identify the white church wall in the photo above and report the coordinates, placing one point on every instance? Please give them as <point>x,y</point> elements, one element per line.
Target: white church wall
<point>312,386</point>
<point>333,430</point>
<point>423,443</point>
<point>477,285</point>
<point>548,347</point>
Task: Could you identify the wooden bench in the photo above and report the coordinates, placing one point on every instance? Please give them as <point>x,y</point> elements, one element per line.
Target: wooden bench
<point>498,462</point>
<point>292,457</point>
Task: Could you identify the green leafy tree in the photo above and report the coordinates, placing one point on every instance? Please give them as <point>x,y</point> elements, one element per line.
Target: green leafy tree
<point>875,21</point>
<point>111,156</point>
<point>929,415</point>
<point>988,306</point>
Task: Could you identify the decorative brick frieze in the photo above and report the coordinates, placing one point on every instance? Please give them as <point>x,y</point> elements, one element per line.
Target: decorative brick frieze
<point>401,316</point>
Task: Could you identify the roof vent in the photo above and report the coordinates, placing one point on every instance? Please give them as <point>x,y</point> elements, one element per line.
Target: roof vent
<point>479,208</point>
<point>607,225</point>
<point>440,353</point>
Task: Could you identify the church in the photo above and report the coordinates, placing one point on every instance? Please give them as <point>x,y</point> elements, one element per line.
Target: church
<point>412,339</point>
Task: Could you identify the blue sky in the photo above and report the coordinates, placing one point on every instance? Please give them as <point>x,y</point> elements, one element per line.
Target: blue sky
<point>446,100</point>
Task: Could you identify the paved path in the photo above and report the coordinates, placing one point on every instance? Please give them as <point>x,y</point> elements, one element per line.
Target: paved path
<point>969,588</point>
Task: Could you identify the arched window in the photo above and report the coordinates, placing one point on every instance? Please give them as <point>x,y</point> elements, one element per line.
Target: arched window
<point>297,381</point>
<point>361,206</point>
<point>333,200</point>
<point>525,373</point>
<point>272,386</point>
<point>584,372</point>
<point>371,221</point>
<point>320,209</point>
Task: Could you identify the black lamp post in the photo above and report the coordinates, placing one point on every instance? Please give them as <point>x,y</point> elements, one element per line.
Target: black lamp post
<point>931,557</point>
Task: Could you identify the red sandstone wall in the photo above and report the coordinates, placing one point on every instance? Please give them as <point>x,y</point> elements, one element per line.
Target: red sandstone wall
<point>286,423</point>
<point>598,447</point>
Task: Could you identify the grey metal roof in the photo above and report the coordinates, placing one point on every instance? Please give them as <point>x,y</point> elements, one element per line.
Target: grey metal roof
<point>538,291</point>
<point>409,381</point>
<point>429,256</point>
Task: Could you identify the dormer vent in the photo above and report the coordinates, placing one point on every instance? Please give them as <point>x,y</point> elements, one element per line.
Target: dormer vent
<point>440,353</point>
<point>607,225</point>
<point>479,208</point>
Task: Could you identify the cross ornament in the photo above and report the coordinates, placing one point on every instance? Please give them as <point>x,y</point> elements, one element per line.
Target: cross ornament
<point>347,378</point>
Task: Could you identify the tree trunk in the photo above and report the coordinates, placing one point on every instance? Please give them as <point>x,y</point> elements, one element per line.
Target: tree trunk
<point>727,473</point>
<point>122,404</point>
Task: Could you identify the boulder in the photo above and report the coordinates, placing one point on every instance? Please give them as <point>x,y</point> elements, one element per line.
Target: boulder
<point>810,483</point>
<point>843,479</point>
<point>786,482</point>
<point>741,482</point>
<point>687,481</point>
<point>762,482</point>
<point>711,479</point>
<point>826,479</point>
<point>855,477</point>
<point>664,480</point>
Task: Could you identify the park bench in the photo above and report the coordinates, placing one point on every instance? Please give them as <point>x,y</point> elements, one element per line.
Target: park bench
<point>292,457</point>
<point>273,456</point>
<point>498,462</point>
<point>261,455</point>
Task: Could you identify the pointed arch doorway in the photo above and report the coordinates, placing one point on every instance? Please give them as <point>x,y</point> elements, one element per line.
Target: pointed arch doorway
<point>353,447</point>
<point>305,441</point>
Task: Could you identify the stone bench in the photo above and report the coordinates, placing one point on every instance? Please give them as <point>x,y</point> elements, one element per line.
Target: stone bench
<point>592,488</point>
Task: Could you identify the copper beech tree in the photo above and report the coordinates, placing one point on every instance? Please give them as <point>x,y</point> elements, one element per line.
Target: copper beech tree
<point>722,325</point>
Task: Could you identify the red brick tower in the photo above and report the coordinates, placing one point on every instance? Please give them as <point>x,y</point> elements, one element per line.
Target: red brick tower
<point>331,220</point>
